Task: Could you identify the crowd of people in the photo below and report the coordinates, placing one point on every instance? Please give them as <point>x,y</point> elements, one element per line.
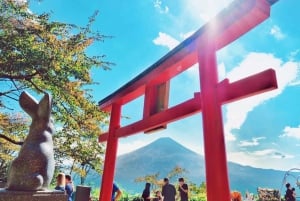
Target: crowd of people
<point>168,191</point>
<point>64,183</point>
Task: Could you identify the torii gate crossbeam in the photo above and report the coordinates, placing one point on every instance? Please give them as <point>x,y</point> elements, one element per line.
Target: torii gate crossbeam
<point>236,20</point>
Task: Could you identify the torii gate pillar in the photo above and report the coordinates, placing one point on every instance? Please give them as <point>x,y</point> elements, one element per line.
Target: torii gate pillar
<point>153,83</point>
<point>214,143</point>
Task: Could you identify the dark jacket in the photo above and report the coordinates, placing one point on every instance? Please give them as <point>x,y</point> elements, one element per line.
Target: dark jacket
<point>168,192</point>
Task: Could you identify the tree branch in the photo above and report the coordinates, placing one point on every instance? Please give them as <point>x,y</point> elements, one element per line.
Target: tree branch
<point>11,140</point>
<point>35,86</point>
<point>8,92</point>
<point>18,77</point>
<point>15,85</point>
<point>9,97</point>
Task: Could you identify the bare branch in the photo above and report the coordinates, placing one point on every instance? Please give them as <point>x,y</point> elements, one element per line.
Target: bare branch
<point>10,97</point>
<point>14,83</point>
<point>12,92</point>
<point>8,92</point>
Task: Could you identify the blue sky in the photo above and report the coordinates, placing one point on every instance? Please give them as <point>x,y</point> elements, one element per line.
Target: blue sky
<point>261,131</point>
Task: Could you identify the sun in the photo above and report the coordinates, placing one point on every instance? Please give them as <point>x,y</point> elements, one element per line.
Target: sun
<point>205,10</point>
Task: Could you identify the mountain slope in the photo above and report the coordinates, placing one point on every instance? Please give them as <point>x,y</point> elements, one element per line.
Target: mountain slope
<point>160,156</point>
<point>164,154</point>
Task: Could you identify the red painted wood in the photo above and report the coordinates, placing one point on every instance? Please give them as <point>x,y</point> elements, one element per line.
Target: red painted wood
<point>156,101</point>
<point>240,17</point>
<point>230,24</point>
<point>245,15</point>
<point>249,86</point>
<point>149,100</point>
<point>227,92</point>
<point>214,142</point>
<point>172,114</point>
<point>110,155</point>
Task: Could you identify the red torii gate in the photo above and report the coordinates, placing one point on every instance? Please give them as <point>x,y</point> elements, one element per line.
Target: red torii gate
<point>234,21</point>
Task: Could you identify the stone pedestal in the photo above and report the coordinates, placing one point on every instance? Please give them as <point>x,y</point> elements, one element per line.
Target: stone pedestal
<point>2,184</point>
<point>6,195</point>
<point>82,193</point>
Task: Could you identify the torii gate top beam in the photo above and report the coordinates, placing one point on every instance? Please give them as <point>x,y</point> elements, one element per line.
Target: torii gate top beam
<point>225,29</point>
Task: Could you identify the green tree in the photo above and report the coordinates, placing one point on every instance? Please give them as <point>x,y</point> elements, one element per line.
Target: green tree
<point>153,179</point>
<point>176,172</point>
<point>82,155</point>
<point>40,55</point>
<point>13,128</point>
<point>156,182</point>
<point>197,192</point>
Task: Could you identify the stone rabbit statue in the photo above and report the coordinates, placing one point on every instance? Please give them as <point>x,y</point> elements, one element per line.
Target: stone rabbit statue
<point>33,168</point>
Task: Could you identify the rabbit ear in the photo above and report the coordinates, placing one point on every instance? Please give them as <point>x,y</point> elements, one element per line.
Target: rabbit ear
<point>44,108</point>
<point>28,103</point>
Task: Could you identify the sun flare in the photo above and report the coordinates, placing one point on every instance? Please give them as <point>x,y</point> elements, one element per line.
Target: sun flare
<point>205,10</point>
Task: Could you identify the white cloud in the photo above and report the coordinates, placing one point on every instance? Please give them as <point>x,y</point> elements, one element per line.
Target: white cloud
<point>263,152</point>
<point>254,63</point>
<point>204,10</point>
<point>294,54</point>
<point>193,74</point>
<point>277,33</point>
<point>158,5</point>
<point>266,158</point>
<point>229,136</point>
<point>186,35</point>
<point>291,132</point>
<point>296,83</point>
<point>168,41</point>
<point>251,143</point>
<point>126,147</point>
<point>221,71</point>
<point>164,39</point>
